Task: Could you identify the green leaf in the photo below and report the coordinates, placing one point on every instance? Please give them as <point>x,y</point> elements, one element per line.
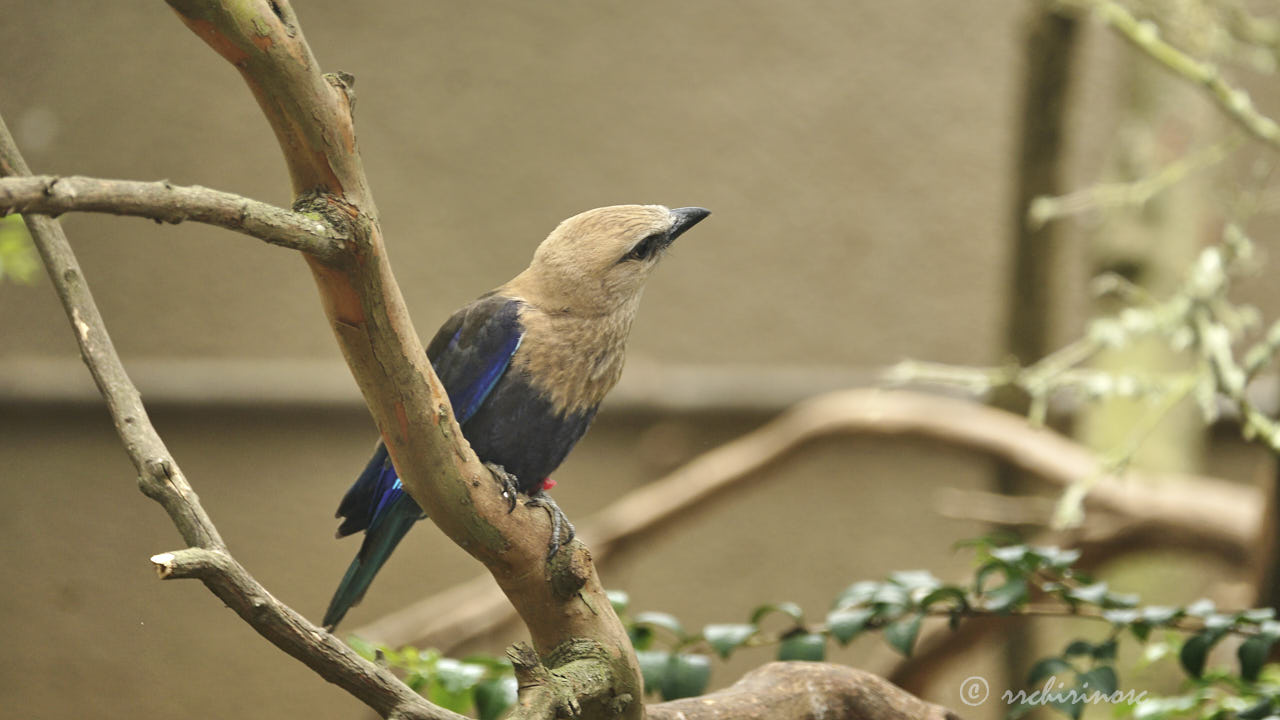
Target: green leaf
<point>891,597</point>
<point>1122,617</point>
<point>18,258</point>
<point>1007,596</point>
<point>1010,555</point>
<point>1105,650</point>
<point>1258,615</point>
<point>1158,615</point>
<point>1201,608</point>
<point>856,594</point>
<point>980,579</point>
<point>902,634</point>
<point>458,677</point>
<point>363,648</point>
<point>946,592</point>
<point>641,636</point>
<point>789,609</point>
<point>686,676</point>
<point>1256,711</point>
<point>1058,558</point>
<point>1093,594</point>
<point>1101,678</point>
<point>440,695</point>
<point>416,680</point>
<point>495,665</point>
<point>803,646</point>
<point>915,579</point>
<point>666,621</point>
<point>1195,651</point>
<point>724,639</point>
<point>1253,655</point>
<point>619,599</point>
<point>1219,621</point>
<point>493,697</point>
<point>1120,600</point>
<point>1079,647</point>
<point>653,668</point>
<point>845,624</point>
<point>1046,668</point>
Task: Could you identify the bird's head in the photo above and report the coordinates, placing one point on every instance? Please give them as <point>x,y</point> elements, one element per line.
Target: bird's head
<point>598,261</point>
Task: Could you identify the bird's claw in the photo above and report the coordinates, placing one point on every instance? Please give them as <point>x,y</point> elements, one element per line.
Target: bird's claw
<point>559,522</point>
<point>510,484</point>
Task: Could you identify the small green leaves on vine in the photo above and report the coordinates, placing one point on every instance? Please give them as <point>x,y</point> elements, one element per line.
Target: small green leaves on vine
<point>1009,580</point>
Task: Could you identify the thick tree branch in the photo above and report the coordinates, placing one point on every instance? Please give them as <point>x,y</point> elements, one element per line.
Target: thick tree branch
<point>162,480</point>
<point>165,202</point>
<point>804,691</point>
<point>1217,515</point>
<point>562,603</point>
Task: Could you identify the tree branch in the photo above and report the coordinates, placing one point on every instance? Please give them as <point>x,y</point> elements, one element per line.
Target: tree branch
<point>162,480</point>
<point>804,691</point>
<point>165,202</point>
<point>1224,516</point>
<point>562,602</point>
<point>1145,36</point>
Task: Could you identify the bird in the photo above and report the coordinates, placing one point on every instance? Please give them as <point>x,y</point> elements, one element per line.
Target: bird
<point>525,367</point>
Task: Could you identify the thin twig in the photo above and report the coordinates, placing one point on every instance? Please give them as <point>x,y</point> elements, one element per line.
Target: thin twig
<point>1134,194</point>
<point>165,202</point>
<point>1145,36</point>
<point>162,480</point>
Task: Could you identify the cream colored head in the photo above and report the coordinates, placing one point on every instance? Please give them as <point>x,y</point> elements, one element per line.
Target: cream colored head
<point>597,262</point>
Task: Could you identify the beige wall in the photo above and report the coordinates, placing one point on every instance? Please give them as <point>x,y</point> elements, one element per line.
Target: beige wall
<point>856,156</point>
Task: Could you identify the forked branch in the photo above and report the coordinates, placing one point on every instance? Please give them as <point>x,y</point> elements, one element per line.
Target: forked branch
<point>162,480</point>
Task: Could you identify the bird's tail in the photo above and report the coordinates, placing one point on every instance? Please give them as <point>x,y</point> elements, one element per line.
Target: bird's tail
<point>378,543</point>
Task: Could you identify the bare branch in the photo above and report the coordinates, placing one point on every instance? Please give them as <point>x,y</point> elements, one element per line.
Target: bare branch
<point>1221,514</point>
<point>1145,36</point>
<point>162,480</point>
<point>165,202</point>
<point>804,691</point>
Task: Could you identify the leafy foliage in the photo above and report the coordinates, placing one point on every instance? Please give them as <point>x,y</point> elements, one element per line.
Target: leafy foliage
<point>1008,580</point>
<point>18,261</point>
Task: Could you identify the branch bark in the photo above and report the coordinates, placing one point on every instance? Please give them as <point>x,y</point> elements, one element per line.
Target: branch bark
<point>164,202</point>
<point>162,480</point>
<point>804,691</point>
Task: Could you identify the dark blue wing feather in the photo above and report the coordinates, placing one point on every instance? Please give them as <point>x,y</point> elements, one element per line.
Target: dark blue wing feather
<point>477,353</point>
<point>469,353</point>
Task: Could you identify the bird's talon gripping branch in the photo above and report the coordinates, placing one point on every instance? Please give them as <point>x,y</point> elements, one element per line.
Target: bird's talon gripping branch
<point>559,522</point>
<point>510,484</point>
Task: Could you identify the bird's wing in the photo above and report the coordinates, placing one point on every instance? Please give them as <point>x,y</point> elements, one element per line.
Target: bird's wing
<point>470,353</point>
<point>472,350</point>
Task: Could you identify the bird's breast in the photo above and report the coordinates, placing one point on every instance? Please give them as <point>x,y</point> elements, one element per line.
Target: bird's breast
<point>572,361</point>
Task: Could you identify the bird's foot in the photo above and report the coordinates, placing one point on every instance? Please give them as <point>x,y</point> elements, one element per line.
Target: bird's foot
<point>559,523</point>
<point>510,484</point>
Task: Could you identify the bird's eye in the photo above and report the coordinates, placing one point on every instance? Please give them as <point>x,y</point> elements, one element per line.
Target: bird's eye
<point>644,249</point>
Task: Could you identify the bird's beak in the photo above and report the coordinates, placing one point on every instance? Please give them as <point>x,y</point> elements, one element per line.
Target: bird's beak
<point>685,218</point>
